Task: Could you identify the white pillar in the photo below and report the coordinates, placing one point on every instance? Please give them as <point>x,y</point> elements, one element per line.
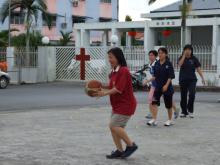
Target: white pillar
<point>128,39</point>
<point>10,58</point>
<point>81,37</point>
<point>77,38</point>
<point>85,38</point>
<point>119,39</point>
<point>105,38</point>
<point>12,69</point>
<point>215,43</point>
<point>218,65</point>
<point>149,38</point>
<point>47,64</point>
<point>188,35</point>
<point>116,32</point>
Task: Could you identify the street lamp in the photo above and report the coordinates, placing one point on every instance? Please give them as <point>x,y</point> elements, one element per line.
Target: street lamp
<point>114,40</point>
<point>45,40</point>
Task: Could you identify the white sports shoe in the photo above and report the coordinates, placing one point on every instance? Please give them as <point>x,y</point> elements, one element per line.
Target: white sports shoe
<point>152,122</point>
<point>191,115</point>
<point>168,123</point>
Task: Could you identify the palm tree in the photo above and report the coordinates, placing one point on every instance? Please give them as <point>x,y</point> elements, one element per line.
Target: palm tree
<point>4,37</point>
<point>30,9</point>
<point>66,38</point>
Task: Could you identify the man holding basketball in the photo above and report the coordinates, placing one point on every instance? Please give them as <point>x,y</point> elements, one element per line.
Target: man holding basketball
<point>123,103</point>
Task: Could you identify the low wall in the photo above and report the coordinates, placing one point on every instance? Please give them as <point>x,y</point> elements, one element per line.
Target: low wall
<point>29,75</point>
<point>210,77</point>
<point>44,72</point>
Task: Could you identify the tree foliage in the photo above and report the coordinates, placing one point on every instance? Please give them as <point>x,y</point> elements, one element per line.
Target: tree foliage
<point>66,38</point>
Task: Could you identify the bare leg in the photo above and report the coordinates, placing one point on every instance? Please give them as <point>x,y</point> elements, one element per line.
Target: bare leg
<point>120,132</point>
<point>117,140</point>
<point>174,107</point>
<point>170,113</point>
<point>151,108</point>
<point>154,111</point>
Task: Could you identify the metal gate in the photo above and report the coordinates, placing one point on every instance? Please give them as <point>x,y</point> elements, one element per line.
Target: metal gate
<point>67,68</point>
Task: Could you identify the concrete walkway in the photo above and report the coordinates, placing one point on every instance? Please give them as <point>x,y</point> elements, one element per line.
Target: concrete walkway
<point>81,137</point>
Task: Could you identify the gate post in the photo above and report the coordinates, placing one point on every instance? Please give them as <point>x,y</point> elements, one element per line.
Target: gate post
<point>218,65</point>
<point>14,74</point>
<point>46,64</point>
<point>10,58</point>
<point>107,65</point>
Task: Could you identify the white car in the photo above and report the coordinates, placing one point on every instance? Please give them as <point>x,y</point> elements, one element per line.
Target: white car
<point>4,79</point>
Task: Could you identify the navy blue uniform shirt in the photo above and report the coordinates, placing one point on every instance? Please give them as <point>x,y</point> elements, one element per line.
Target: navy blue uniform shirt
<point>163,72</point>
<point>187,70</point>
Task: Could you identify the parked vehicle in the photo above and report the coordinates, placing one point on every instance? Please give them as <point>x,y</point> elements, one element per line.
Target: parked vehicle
<point>4,79</point>
<point>138,77</point>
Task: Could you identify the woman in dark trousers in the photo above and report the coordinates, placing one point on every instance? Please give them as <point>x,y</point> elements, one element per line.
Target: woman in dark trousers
<point>189,64</point>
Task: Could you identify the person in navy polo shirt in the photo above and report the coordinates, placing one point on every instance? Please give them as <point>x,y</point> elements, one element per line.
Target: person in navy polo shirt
<point>163,75</point>
<point>187,79</point>
<point>123,103</point>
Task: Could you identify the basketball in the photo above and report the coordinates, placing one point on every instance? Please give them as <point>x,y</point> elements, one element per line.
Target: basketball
<point>92,87</point>
<point>94,84</point>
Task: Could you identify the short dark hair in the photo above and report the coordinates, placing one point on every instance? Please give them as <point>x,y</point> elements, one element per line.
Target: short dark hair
<point>190,47</point>
<point>154,52</point>
<point>164,50</point>
<point>119,55</point>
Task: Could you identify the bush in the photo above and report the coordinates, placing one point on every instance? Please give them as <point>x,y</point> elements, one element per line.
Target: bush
<point>20,40</point>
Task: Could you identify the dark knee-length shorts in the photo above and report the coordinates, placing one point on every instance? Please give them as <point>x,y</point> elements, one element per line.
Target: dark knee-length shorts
<point>167,96</point>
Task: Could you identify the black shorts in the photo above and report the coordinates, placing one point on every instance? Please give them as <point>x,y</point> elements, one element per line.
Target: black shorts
<point>167,96</point>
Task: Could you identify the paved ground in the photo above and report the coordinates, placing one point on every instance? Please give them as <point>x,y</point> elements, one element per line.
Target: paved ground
<point>70,136</point>
<point>56,124</point>
<point>55,95</point>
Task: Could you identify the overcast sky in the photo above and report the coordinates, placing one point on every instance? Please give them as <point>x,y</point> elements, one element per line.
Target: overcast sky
<point>135,7</point>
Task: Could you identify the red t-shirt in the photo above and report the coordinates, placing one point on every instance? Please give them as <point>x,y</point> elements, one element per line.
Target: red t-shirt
<point>123,103</point>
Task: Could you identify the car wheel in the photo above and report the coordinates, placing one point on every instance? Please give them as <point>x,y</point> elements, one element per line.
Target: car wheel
<point>3,82</point>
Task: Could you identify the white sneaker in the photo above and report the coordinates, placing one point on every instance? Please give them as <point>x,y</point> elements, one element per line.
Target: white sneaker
<point>183,115</point>
<point>152,122</point>
<point>168,123</point>
<point>191,115</point>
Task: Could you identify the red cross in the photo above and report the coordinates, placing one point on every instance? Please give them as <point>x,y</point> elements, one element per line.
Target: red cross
<point>82,57</point>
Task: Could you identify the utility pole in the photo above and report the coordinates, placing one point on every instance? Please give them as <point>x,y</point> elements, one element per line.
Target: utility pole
<point>117,10</point>
<point>9,23</point>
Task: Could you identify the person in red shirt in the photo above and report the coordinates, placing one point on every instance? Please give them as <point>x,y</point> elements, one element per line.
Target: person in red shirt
<point>123,103</point>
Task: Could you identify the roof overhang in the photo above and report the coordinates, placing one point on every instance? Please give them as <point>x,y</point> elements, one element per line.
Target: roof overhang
<point>154,15</point>
<point>111,25</point>
<point>190,22</point>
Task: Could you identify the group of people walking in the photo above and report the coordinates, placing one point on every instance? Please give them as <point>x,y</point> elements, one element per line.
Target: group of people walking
<point>124,102</point>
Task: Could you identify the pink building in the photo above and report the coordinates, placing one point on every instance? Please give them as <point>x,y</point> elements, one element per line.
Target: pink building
<point>67,12</point>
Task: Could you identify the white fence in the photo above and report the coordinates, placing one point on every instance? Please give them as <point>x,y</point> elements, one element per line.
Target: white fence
<point>22,64</point>
<point>97,68</point>
<point>27,58</point>
<point>202,52</point>
<point>67,68</point>
<point>135,56</point>
<point>59,63</point>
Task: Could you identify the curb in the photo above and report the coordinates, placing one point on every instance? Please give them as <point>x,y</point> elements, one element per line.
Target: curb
<point>202,88</point>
